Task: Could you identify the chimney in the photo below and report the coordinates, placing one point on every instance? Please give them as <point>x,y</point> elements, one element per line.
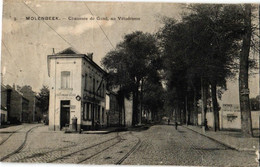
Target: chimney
<point>90,55</point>
<point>18,88</point>
<point>14,86</point>
<point>53,51</point>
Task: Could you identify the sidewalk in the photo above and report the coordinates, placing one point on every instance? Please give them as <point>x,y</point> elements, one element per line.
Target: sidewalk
<point>232,139</point>
<point>116,129</point>
<point>105,131</point>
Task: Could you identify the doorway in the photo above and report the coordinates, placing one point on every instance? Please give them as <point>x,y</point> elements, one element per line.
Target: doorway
<point>64,113</point>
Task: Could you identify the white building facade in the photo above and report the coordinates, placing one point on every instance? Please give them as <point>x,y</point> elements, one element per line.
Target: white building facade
<point>77,90</point>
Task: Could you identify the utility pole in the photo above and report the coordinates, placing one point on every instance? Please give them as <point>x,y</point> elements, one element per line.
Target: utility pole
<point>94,103</point>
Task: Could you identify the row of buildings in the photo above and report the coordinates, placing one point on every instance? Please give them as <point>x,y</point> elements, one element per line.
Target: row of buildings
<point>18,104</point>
<point>78,90</point>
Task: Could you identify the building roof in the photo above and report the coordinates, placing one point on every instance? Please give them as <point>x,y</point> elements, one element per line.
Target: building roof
<point>69,50</point>
<point>8,87</point>
<point>72,53</point>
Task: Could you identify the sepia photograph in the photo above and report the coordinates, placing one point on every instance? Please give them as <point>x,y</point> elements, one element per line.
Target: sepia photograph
<point>130,83</point>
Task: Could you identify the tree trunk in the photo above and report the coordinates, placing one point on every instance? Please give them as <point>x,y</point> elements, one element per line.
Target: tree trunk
<point>124,111</point>
<point>141,102</point>
<point>121,107</point>
<point>135,108</point>
<point>186,109</point>
<point>204,104</point>
<point>195,108</point>
<point>259,52</point>
<point>215,105</point>
<point>137,103</point>
<point>246,125</point>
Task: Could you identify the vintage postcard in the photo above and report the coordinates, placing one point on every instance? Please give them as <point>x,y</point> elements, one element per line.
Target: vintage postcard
<point>129,83</point>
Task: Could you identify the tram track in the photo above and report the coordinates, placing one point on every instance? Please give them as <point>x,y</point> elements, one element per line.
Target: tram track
<point>89,157</point>
<point>81,150</point>
<point>2,142</point>
<point>135,147</point>
<point>21,146</point>
<point>41,154</point>
<point>81,154</point>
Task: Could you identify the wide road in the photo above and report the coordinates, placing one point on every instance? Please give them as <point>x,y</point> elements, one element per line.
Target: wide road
<point>157,145</point>
<point>163,145</point>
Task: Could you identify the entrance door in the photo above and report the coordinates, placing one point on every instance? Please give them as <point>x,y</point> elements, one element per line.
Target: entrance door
<point>64,113</point>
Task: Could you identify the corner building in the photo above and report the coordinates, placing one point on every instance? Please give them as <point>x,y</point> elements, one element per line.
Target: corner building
<point>77,89</point>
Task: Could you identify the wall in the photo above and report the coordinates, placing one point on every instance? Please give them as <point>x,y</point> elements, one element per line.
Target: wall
<point>128,112</point>
<point>91,72</point>
<point>209,117</point>
<point>3,95</point>
<point>57,94</point>
<point>34,111</point>
<point>3,116</point>
<point>113,110</point>
<point>16,105</point>
<point>231,120</point>
<point>82,71</point>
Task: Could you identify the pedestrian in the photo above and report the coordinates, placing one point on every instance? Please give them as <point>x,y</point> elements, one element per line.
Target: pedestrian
<point>206,124</point>
<point>169,121</point>
<point>176,125</point>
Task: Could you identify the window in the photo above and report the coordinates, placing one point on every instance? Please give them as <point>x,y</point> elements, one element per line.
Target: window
<point>90,83</point>
<point>97,88</point>
<point>103,91</point>
<point>65,79</point>
<point>98,112</point>
<point>94,85</point>
<point>87,111</point>
<point>86,81</point>
<point>103,114</point>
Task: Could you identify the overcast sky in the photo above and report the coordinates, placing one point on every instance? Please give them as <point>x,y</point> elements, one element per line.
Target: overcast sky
<point>29,41</point>
<point>26,43</point>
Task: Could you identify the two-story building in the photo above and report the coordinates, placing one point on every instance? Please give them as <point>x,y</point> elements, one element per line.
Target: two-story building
<point>118,115</point>
<point>77,89</point>
<point>16,105</point>
<point>34,111</point>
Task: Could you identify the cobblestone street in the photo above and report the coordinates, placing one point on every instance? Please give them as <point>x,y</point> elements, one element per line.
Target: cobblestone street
<point>158,145</point>
<point>163,145</point>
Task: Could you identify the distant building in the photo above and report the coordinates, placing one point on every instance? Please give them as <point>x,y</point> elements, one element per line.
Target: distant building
<point>77,90</point>
<point>115,113</point>
<point>15,103</point>
<point>3,115</point>
<point>34,112</point>
<point>118,115</point>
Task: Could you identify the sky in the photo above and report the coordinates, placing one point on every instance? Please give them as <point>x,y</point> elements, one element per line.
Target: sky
<point>26,43</point>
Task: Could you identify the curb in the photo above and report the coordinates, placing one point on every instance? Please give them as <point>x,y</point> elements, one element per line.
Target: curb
<point>97,132</point>
<point>220,142</point>
<point>105,131</point>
